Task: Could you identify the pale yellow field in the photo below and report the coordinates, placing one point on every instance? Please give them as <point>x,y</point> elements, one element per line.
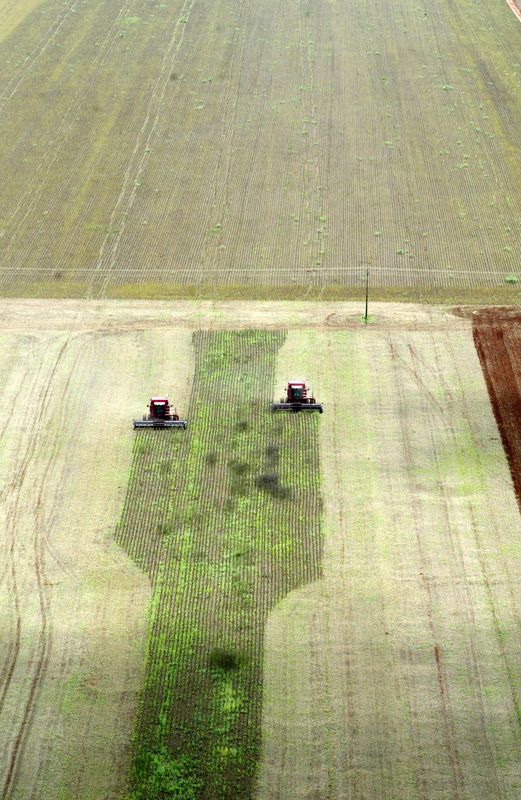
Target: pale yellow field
<point>399,674</point>
<point>395,676</point>
<point>73,608</point>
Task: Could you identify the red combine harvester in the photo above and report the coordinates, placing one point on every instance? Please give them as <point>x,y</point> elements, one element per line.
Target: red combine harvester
<point>160,415</point>
<point>297,399</point>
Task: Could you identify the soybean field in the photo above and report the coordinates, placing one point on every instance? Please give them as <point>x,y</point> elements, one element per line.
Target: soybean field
<point>226,520</point>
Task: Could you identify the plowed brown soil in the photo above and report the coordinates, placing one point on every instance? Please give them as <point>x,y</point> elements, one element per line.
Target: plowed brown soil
<point>497,335</point>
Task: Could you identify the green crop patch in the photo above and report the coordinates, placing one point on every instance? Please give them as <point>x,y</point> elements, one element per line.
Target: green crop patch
<point>225,517</point>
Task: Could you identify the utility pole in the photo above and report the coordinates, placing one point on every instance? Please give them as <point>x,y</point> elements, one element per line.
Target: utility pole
<point>366,318</point>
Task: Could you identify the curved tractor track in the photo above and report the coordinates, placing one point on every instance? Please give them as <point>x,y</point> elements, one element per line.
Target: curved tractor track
<point>38,380</point>
<point>73,607</point>
<point>514,6</point>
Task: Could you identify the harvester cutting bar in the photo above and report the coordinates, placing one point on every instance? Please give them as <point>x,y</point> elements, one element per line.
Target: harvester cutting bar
<point>298,407</point>
<point>160,423</point>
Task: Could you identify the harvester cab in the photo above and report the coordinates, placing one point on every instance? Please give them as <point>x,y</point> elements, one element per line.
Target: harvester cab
<point>298,398</point>
<point>160,415</point>
<point>296,393</point>
<point>159,408</point>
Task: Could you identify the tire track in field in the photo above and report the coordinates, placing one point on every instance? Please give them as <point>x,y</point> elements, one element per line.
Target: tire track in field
<point>514,8</point>
<point>31,60</point>
<point>227,137</point>
<point>406,672</point>
<point>45,385</point>
<point>10,571</point>
<point>51,154</point>
<point>407,652</point>
<point>312,168</point>
<point>460,578</point>
<point>139,157</point>
<point>11,495</point>
<point>444,696</point>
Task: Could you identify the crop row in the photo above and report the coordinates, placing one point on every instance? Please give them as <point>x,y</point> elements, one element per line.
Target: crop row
<point>219,142</point>
<point>226,519</point>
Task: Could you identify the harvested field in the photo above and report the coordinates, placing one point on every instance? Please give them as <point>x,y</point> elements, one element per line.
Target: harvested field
<point>13,14</point>
<point>147,145</point>
<point>398,674</point>
<point>72,605</point>
<point>391,658</point>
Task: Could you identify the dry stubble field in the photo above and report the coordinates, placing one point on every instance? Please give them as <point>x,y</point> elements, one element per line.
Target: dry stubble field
<point>178,145</point>
<point>393,671</point>
<point>73,610</point>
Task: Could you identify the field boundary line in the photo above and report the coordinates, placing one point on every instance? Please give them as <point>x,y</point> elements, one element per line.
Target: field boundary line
<point>293,270</point>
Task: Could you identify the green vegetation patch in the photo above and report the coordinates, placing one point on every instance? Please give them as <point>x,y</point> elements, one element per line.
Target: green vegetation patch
<point>225,517</point>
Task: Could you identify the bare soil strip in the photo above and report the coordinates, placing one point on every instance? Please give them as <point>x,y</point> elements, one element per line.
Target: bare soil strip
<point>73,606</point>
<point>117,316</point>
<point>225,517</point>
<point>398,675</point>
